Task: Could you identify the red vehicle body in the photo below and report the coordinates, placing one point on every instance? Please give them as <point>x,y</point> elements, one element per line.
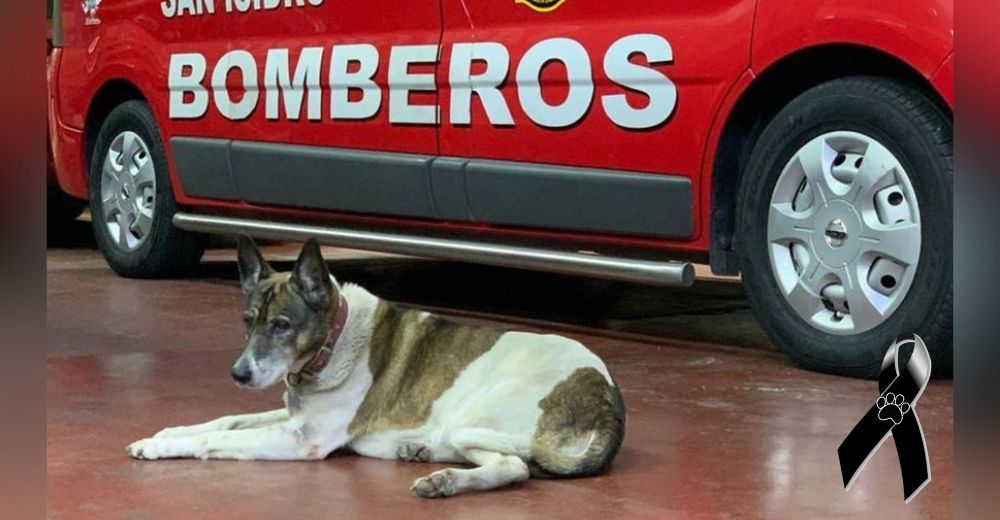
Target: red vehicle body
<point>721,48</point>
<point>610,127</point>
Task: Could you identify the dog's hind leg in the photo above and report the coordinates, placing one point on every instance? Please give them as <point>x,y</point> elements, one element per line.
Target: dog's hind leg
<point>497,455</point>
<point>229,422</point>
<point>494,470</point>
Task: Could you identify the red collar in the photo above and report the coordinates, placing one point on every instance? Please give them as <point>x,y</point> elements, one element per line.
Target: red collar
<point>321,358</point>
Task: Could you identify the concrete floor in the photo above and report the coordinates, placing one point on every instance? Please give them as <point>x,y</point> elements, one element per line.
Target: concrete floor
<point>720,425</point>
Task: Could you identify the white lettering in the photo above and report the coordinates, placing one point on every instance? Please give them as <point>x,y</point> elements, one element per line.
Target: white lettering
<point>579,82</point>
<point>402,82</point>
<point>176,8</point>
<point>168,7</point>
<point>180,84</point>
<point>171,8</point>
<point>241,5</point>
<point>186,5</point>
<point>342,81</point>
<point>244,62</point>
<point>486,85</point>
<point>276,76</point>
<point>477,69</point>
<point>662,92</point>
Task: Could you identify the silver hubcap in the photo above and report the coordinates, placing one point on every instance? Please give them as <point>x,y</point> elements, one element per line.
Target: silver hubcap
<point>844,233</point>
<point>128,191</point>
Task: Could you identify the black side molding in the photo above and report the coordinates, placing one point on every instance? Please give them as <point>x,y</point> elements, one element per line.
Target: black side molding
<point>332,178</point>
<point>203,167</point>
<point>444,188</point>
<point>540,195</point>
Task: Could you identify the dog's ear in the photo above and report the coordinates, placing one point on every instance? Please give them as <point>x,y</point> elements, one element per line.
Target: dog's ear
<point>253,267</point>
<point>311,278</point>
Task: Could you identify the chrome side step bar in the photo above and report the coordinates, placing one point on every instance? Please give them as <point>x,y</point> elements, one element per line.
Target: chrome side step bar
<point>671,273</point>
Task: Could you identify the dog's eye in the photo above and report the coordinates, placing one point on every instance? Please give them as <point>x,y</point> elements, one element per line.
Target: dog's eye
<point>280,325</point>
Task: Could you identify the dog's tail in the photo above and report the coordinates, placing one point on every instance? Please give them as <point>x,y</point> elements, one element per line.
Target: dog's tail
<point>581,427</point>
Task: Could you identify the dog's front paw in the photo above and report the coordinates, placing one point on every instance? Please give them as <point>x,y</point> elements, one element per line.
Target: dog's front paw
<point>146,449</point>
<point>438,484</point>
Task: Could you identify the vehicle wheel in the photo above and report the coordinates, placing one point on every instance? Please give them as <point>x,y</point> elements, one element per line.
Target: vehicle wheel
<point>844,225</point>
<point>131,202</point>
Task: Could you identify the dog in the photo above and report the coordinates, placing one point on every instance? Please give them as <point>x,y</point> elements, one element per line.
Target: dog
<point>366,376</point>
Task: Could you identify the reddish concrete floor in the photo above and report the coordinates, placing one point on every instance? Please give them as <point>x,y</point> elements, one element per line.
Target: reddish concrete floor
<point>714,430</point>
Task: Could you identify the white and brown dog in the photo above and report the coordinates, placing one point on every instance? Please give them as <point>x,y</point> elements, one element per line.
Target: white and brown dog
<point>394,383</point>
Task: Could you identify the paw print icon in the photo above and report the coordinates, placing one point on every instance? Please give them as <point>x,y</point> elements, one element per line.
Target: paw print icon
<point>892,407</point>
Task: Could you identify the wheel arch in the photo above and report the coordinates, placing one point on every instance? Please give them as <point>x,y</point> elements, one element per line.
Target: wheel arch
<point>109,95</point>
<point>772,89</point>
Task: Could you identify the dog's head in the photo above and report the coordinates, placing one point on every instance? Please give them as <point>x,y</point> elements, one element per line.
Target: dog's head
<point>287,315</point>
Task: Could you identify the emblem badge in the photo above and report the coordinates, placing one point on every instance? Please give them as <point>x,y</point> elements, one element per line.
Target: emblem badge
<point>90,9</point>
<point>542,6</point>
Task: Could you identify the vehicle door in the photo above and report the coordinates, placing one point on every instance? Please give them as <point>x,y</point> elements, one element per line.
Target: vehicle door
<point>622,93</point>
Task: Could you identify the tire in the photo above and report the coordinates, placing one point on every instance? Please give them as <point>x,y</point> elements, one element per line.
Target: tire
<point>917,133</point>
<point>162,250</point>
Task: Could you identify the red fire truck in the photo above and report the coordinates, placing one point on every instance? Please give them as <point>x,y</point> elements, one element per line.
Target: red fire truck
<point>804,145</point>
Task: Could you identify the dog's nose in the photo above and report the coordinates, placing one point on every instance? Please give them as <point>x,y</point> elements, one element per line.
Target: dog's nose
<point>241,376</point>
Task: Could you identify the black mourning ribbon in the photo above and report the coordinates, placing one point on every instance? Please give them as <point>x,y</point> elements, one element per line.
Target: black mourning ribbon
<point>893,412</point>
